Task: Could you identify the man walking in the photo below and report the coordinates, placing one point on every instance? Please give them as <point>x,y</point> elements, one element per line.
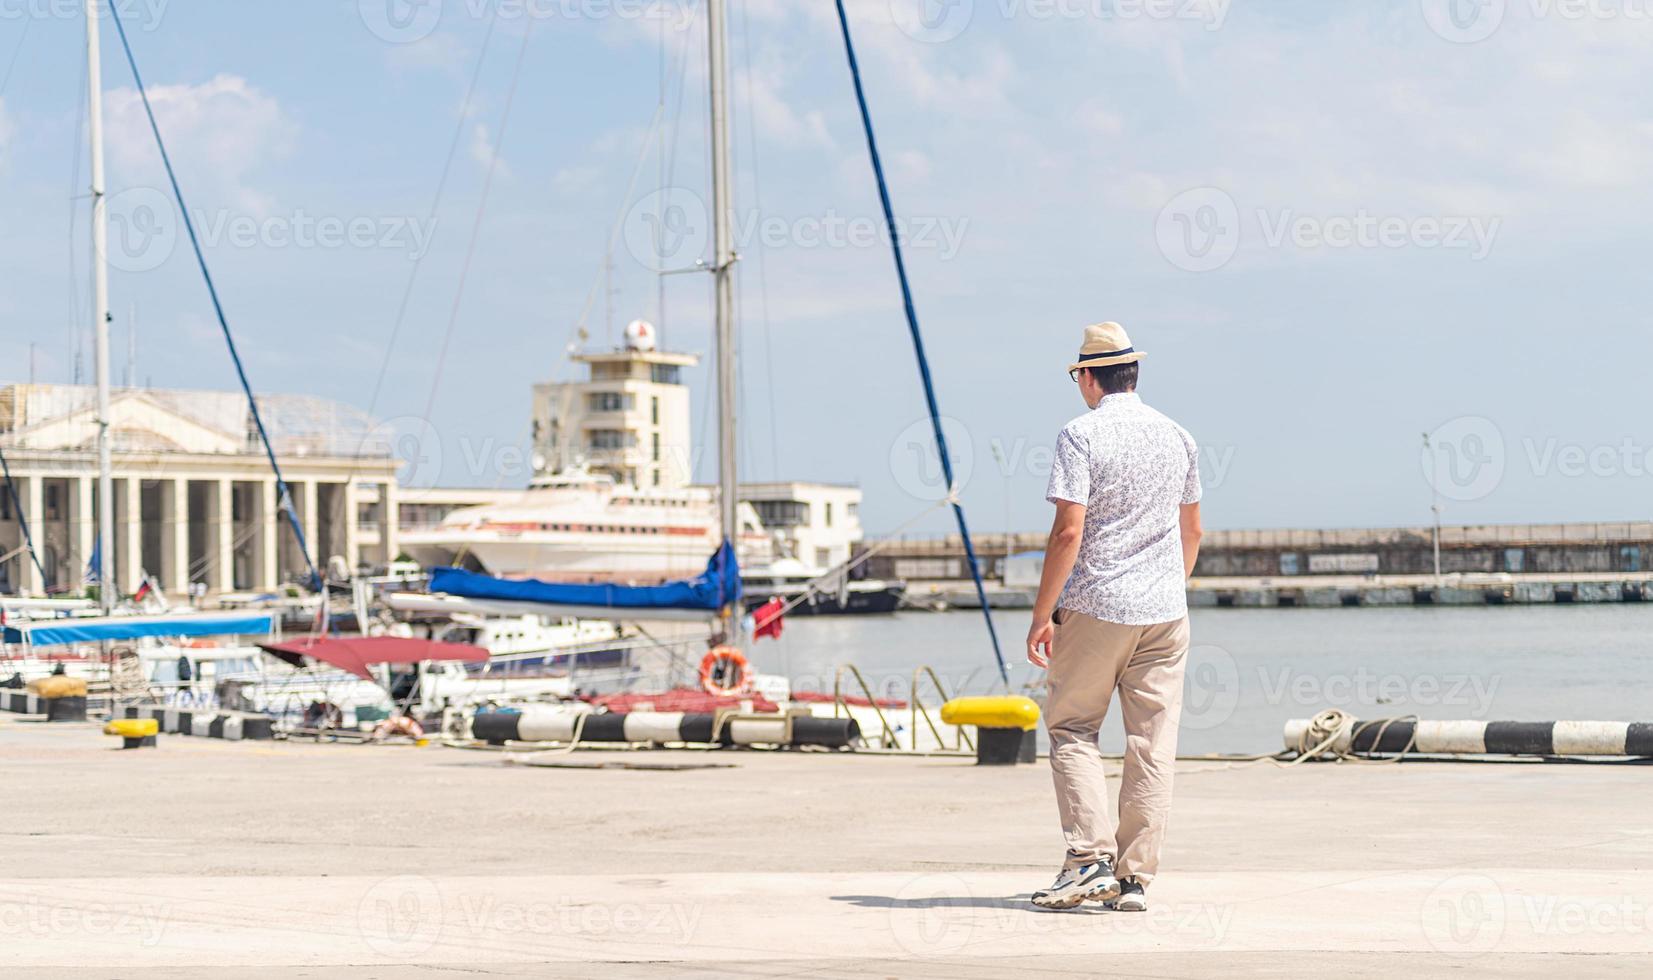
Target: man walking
<point>1112,614</point>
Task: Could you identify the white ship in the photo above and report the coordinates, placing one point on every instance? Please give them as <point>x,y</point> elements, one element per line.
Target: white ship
<point>580,526</point>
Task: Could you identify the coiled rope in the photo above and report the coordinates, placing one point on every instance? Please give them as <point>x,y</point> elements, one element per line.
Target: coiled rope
<point>1334,727</point>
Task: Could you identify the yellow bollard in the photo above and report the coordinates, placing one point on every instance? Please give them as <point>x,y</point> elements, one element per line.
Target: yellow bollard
<point>1005,727</point>
<point>134,732</point>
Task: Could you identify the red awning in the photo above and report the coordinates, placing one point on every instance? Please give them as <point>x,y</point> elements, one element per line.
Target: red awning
<point>357,653</point>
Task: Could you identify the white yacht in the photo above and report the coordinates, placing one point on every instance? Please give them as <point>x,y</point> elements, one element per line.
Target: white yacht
<point>582,526</point>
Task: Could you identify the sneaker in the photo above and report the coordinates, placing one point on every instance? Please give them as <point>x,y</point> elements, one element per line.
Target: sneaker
<point>1132,897</point>
<point>1092,882</point>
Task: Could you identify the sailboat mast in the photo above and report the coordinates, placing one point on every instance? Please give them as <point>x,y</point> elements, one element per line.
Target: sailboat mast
<point>723,269</point>
<point>100,310</point>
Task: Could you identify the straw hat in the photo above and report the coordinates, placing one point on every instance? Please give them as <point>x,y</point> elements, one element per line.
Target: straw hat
<point>1106,345</point>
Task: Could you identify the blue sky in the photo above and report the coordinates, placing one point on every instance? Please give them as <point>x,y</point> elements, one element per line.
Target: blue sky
<point>1333,227</point>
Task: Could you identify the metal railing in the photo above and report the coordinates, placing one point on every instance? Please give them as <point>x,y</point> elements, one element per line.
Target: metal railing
<point>962,742</point>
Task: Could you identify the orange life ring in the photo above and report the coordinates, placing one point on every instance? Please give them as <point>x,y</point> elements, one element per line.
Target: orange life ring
<point>724,670</point>
<point>201,644</point>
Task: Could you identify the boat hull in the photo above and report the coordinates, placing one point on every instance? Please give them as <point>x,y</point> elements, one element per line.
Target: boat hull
<point>884,599</point>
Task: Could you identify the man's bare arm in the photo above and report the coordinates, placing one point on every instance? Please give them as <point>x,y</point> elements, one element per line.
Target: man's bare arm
<point>1061,550</point>
<point>1188,520</point>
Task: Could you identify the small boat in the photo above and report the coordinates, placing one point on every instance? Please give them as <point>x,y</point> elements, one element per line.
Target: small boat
<point>818,592</point>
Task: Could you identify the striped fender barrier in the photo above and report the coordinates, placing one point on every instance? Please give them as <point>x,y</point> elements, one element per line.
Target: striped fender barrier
<point>22,702</point>
<point>542,724</point>
<point>232,725</point>
<point>71,708</point>
<point>1392,736</point>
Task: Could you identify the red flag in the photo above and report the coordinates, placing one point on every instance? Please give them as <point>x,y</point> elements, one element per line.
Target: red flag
<point>143,590</point>
<point>766,619</point>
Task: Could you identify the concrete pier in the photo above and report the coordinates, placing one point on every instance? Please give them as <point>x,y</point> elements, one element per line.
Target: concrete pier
<point>215,859</point>
<point>1418,590</point>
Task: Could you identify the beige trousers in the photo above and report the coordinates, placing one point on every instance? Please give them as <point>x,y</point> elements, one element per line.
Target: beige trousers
<point>1089,660</point>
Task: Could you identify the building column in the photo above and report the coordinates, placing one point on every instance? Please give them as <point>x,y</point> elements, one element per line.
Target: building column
<point>129,532</point>
<point>175,536</point>
<point>268,539</point>
<point>29,581</point>
<point>83,531</point>
<point>352,546</point>
<point>312,527</point>
<point>221,538</point>
<point>390,519</point>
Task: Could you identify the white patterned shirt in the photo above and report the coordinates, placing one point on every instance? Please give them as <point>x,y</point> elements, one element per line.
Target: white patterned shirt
<point>1131,467</point>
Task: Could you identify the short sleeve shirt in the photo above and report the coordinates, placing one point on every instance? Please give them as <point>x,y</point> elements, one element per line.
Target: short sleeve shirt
<point>1131,467</point>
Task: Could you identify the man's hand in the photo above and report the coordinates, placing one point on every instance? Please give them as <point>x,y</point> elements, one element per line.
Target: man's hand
<point>1039,639</point>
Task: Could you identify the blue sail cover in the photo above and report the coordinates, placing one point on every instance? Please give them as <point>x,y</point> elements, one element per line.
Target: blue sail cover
<point>711,590</point>
<point>58,632</point>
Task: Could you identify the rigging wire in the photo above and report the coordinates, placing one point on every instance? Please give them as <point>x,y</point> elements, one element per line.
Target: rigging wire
<point>285,498</point>
<point>22,520</point>
<point>75,294</point>
<point>418,263</point>
<point>671,153</point>
<point>481,213</point>
<point>22,38</point>
<point>656,126</point>
<point>758,246</point>
<point>435,207</point>
<point>918,339</point>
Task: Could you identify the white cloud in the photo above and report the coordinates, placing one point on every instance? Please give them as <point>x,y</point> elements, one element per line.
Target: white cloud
<point>1099,120</point>
<point>219,134</point>
<point>440,52</point>
<point>910,166</point>
<point>7,130</point>
<point>483,151</point>
<point>578,180</point>
<point>775,116</point>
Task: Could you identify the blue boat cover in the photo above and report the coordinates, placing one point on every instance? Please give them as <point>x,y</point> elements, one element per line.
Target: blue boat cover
<point>716,587</point>
<point>56,632</point>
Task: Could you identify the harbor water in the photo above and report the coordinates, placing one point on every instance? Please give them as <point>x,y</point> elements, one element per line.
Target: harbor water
<point>1251,669</point>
